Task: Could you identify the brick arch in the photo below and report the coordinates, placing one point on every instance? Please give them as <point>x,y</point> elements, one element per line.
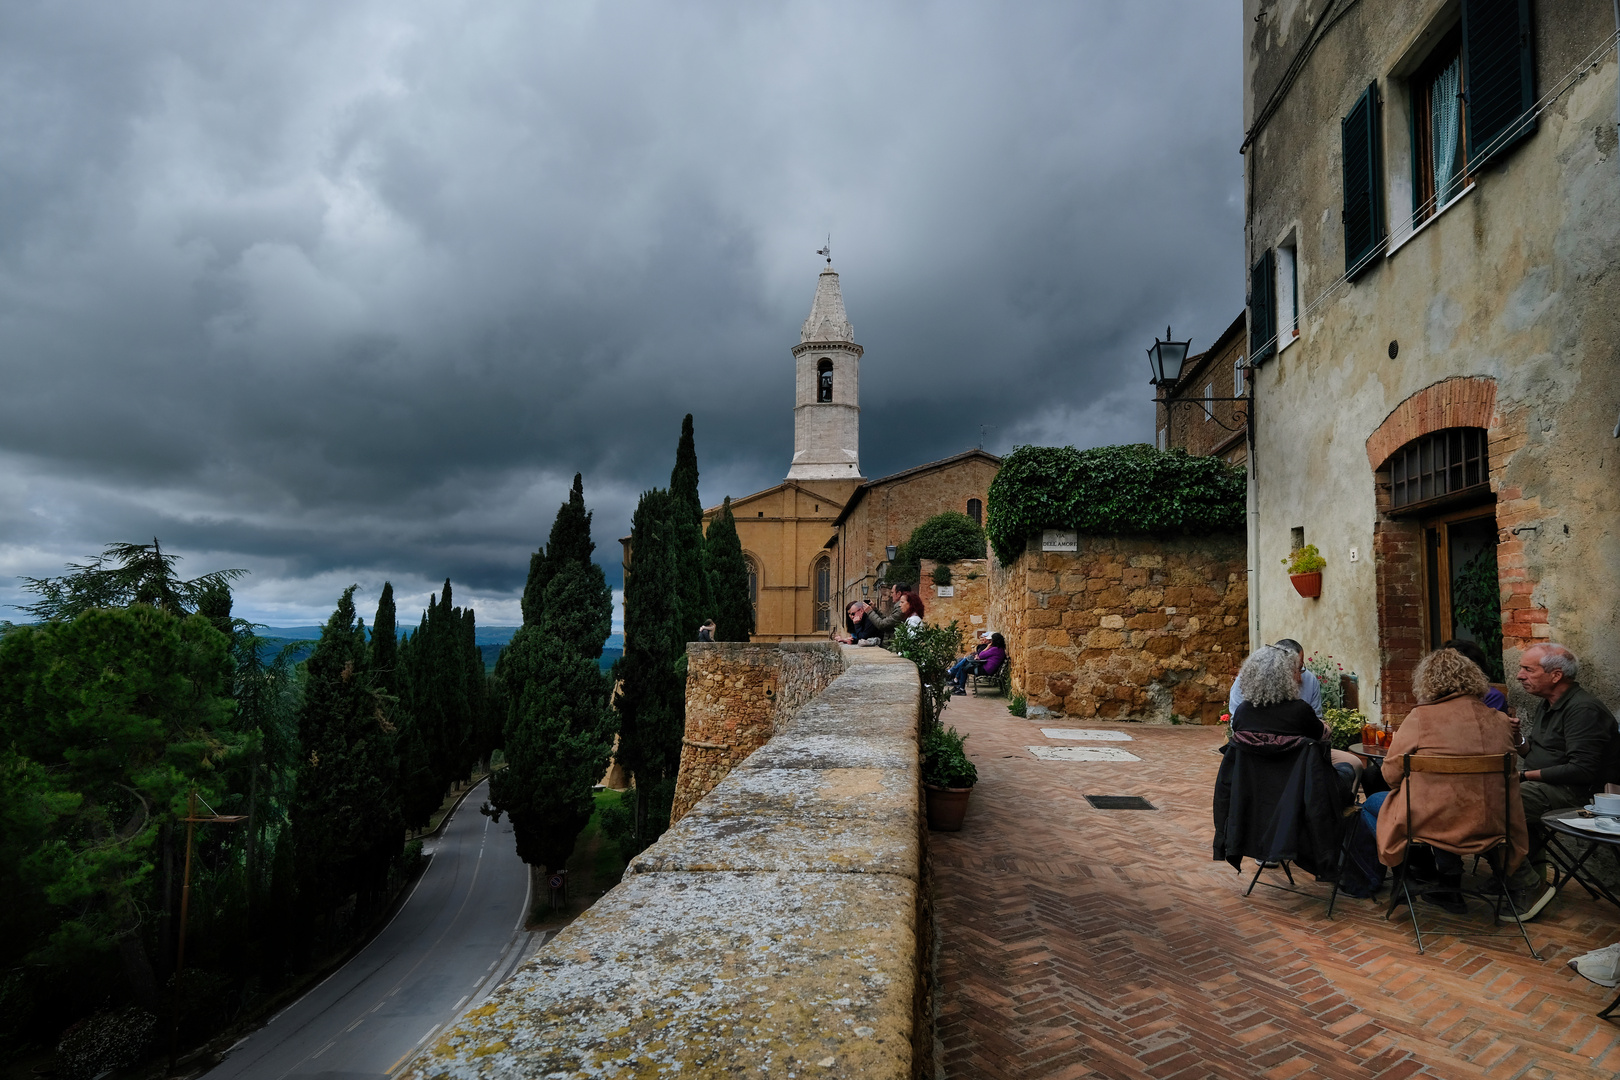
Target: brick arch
<point>1464,401</point>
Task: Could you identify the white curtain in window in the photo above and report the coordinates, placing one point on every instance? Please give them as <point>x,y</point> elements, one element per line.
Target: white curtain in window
<point>1445,119</point>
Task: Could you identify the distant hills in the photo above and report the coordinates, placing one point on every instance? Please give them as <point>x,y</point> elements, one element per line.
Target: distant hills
<point>490,641</point>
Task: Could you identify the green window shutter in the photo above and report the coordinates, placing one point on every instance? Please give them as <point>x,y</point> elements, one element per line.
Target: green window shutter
<point>1263,307</point>
<point>1498,76</point>
<point>1363,182</point>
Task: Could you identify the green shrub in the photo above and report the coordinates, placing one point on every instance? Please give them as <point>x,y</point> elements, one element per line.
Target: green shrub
<point>1344,726</point>
<point>1019,705</point>
<point>1328,672</point>
<point>1305,560</point>
<point>942,574</point>
<point>933,649</point>
<point>945,762</point>
<point>1111,490</point>
<point>944,537</point>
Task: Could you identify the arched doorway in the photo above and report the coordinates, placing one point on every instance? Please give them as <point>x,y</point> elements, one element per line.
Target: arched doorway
<point>1436,538</point>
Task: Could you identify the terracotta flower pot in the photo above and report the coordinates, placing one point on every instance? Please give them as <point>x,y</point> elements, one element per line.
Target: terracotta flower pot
<point>946,807</point>
<point>1307,585</point>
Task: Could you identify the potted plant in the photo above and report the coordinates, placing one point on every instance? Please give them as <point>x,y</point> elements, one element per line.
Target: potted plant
<point>948,777</point>
<point>1305,571</point>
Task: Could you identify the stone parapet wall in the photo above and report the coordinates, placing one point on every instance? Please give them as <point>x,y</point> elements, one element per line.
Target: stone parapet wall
<point>780,928</point>
<point>739,694</point>
<point>1130,628</point>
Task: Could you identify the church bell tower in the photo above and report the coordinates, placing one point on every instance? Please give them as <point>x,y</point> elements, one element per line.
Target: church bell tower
<point>827,381</point>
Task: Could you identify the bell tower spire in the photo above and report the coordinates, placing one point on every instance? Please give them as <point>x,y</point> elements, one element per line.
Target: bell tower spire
<point>827,403</point>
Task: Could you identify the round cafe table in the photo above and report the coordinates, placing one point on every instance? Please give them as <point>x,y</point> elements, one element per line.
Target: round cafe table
<point>1571,847</point>
<point>1372,777</point>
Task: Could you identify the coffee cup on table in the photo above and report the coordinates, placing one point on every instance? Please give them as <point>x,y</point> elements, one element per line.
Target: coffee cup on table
<point>1606,804</point>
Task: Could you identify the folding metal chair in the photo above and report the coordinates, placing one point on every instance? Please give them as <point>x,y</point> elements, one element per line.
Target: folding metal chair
<point>1346,823</point>
<point>1401,889</point>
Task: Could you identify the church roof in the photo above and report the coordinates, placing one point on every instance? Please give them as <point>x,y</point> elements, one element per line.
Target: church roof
<point>860,492</point>
<point>827,321</point>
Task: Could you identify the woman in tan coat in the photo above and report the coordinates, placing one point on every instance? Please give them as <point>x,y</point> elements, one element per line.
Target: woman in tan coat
<point>1457,815</point>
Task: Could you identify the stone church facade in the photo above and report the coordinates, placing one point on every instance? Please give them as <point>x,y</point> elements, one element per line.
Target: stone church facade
<point>822,534</point>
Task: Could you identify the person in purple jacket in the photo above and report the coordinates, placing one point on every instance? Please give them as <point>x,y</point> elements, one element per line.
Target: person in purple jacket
<point>1494,698</point>
<point>987,661</point>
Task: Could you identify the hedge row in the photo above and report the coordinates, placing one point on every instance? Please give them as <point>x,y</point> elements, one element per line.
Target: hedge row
<point>1111,490</point>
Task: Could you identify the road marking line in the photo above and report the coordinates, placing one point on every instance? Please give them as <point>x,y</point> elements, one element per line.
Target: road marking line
<point>428,1036</point>
<point>377,1006</point>
<point>492,964</point>
<point>354,1025</point>
<point>390,1070</point>
<point>323,1049</point>
<point>462,1002</point>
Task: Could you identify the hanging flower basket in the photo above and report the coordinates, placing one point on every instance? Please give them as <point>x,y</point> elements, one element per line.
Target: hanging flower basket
<point>1307,585</point>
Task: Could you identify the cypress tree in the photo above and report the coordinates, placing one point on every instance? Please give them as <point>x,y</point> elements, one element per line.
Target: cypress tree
<point>558,728</point>
<point>728,578</point>
<point>420,790</point>
<point>694,604</point>
<point>390,717</point>
<point>341,809</point>
<point>652,708</point>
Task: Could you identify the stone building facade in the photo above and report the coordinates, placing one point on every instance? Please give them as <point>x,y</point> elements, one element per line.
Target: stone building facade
<point>1200,424</point>
<point>882,513</point>
<point>1125,628</point>
<point>1433,229</point>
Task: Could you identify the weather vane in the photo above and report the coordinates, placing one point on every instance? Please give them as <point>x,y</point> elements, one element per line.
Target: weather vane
<point>827,251</point>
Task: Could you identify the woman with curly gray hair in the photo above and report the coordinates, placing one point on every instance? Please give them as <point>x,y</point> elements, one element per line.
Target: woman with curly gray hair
<point>1269,682</point>
<point>1456,815</point>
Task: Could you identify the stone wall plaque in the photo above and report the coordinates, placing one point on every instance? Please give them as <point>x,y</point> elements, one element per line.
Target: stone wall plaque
<point>946,590</point>
<point>1060,540</point>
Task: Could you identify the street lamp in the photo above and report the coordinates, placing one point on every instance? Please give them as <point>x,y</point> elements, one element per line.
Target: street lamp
<point>1167,358</point>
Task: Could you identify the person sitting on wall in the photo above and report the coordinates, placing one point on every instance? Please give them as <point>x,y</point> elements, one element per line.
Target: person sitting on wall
<point>1573,749</point>
<point>987,661</point>
<point>856,622</point>
<point>706,631</point>
<point>1457,815</point>
<point>1495,698</point>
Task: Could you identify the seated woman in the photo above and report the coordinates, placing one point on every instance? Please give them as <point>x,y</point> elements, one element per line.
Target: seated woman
<point>1457,814</point>
<point>1269,682</point>
<point>1494,697</point>
<point>858,625</point>
<point>987,661</point>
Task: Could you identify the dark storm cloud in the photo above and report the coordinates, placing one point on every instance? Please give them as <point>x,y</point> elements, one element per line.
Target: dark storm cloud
<point>344,292</point>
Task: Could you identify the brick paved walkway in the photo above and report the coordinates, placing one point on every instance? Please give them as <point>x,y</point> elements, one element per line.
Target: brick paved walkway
<point>1089,943</point>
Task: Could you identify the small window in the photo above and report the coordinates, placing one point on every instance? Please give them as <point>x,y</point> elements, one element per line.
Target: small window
<point>1439,155</point>
<point>1239,383</point>
<point>1439,464</point>
<point>1164,439</point>
<point>823,580</point>
<point>1296,538</point>
<point>824,373</point>
<point>1209,402</point>
<point>1287,295</point>
<point>975,510</point>
<point>753,586</point>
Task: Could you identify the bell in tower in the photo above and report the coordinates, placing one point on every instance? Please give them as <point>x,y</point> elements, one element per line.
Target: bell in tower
<point>827,404</point>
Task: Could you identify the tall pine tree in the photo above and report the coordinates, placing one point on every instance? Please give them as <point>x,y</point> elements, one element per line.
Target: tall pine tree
<point>652,707</point>
<point>342,815</point>
<point>694,604</point>
<point>728,578</point>
<point>558,728</point>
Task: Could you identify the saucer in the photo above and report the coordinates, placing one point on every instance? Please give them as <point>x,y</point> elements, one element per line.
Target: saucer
<point>1591,808</point>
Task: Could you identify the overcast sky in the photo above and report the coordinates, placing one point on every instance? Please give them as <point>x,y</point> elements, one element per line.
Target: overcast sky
<point>344,292</point>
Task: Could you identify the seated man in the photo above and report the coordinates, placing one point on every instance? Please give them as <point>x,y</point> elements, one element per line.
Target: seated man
<point>987,661</point>
<point>1573,750</point>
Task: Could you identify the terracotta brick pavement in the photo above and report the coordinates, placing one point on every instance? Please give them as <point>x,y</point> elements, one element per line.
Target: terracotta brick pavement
<point>1106,943</point>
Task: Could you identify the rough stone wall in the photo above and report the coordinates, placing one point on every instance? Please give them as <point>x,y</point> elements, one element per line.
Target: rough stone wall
<point>1514,285</point>
<point>969,602</point>
<point>1130,628</point>
<point>781,928</point>
<point>738,695</point>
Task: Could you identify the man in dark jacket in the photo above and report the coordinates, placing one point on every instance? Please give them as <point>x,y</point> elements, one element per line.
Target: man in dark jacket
<point>1573,750</point>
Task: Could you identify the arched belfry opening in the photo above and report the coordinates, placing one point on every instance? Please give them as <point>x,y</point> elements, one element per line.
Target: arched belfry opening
<point>824,380</point>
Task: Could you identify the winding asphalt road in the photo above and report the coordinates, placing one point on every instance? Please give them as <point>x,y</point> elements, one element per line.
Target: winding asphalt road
<point>457,936</point>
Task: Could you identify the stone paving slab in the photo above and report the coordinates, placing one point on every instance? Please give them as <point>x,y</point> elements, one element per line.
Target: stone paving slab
<point>1085,943</point>
<point>707,974</point>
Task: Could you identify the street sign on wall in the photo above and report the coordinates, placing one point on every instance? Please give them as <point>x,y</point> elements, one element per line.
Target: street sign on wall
<point>1060,540</point>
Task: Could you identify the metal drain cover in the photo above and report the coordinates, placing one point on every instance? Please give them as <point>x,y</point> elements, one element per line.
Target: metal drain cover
<point>1119,802</point>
